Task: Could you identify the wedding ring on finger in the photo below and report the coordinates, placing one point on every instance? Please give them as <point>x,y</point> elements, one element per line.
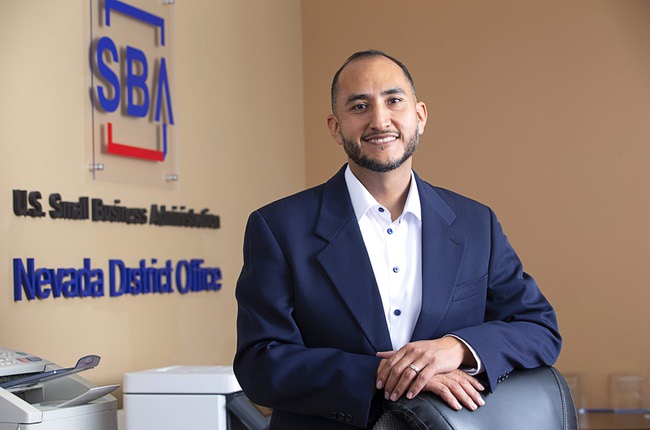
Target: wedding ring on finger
<point>415,369</point>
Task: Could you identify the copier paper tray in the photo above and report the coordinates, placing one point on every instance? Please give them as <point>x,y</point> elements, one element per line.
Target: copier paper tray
<point>41,395</point>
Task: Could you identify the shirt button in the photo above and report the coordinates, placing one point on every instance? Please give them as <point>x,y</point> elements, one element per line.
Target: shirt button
<point>395,269</point>
<point>389,231</point>
<point>397,312</point>
<point>381,210</point>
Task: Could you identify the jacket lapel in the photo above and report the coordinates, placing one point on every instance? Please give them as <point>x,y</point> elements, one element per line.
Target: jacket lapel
<point>442,255</point>
<point>346,262</point>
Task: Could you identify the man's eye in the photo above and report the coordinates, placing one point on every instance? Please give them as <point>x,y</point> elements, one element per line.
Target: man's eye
<point>360,106</point>
<point>394,100</point>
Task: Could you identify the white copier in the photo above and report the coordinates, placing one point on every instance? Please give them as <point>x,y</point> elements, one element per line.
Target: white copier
<point>40,395</point>
<point>189,397</point>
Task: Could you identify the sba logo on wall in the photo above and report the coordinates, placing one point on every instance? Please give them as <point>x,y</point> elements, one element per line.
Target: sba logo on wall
<point>133,115</point>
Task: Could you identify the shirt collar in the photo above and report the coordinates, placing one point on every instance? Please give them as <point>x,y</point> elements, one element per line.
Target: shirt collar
<point>362,200</point>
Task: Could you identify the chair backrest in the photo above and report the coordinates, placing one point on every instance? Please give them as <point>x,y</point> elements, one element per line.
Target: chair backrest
<point>532,399</point>
<point>390,421</point>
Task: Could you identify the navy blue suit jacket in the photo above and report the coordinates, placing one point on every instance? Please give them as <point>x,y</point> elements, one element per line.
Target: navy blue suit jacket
<point>310,318</point>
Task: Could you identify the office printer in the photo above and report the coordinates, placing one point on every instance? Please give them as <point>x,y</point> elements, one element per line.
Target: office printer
<point>38,394</point>
<point>184,397</point>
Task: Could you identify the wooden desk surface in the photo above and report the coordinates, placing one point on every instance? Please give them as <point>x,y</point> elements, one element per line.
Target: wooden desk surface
<point>610,421</point>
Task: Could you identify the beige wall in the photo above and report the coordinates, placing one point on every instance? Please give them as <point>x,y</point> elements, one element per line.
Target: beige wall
<point>540,109</point>
<point>239,123</point>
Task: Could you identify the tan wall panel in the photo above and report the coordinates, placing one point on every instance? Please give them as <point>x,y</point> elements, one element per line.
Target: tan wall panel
<point>539,109</point>
<point>239,124</point>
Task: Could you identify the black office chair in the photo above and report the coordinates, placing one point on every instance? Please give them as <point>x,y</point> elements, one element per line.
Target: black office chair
<point>533,399</point>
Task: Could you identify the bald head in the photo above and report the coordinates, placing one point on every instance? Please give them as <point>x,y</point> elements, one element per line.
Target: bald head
<point>361,55</point>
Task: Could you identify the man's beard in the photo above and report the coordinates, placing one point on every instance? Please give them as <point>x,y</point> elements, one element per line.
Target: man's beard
<point>353,150</point>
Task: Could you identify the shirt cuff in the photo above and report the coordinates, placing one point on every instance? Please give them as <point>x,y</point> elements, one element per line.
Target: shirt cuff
<point>472,371</point>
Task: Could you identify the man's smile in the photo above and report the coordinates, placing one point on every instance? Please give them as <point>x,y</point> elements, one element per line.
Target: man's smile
<point>381,138</point>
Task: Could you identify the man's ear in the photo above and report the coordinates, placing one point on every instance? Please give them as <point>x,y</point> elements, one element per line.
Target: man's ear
<point>421,111</point>
<point>335,129</point>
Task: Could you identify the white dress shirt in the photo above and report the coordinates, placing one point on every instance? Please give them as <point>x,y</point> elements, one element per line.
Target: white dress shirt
<point>395,251</point>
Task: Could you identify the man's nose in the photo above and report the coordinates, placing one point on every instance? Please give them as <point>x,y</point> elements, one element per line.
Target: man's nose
<point>380,119</point>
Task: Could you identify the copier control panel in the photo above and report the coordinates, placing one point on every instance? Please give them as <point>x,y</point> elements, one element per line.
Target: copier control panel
<point>16,364</point>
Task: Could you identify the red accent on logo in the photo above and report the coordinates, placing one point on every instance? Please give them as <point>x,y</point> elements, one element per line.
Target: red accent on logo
<point>130,151</point>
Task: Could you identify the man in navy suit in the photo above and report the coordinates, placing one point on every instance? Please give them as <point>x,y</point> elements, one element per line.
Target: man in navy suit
<point>377,285</point>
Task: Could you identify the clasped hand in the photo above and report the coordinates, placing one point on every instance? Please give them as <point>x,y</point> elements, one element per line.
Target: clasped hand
<point>437,362</point>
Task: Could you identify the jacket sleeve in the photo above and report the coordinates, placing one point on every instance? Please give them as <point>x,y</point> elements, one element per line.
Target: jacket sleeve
<point>520,328</point>
<point>272,363</point>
